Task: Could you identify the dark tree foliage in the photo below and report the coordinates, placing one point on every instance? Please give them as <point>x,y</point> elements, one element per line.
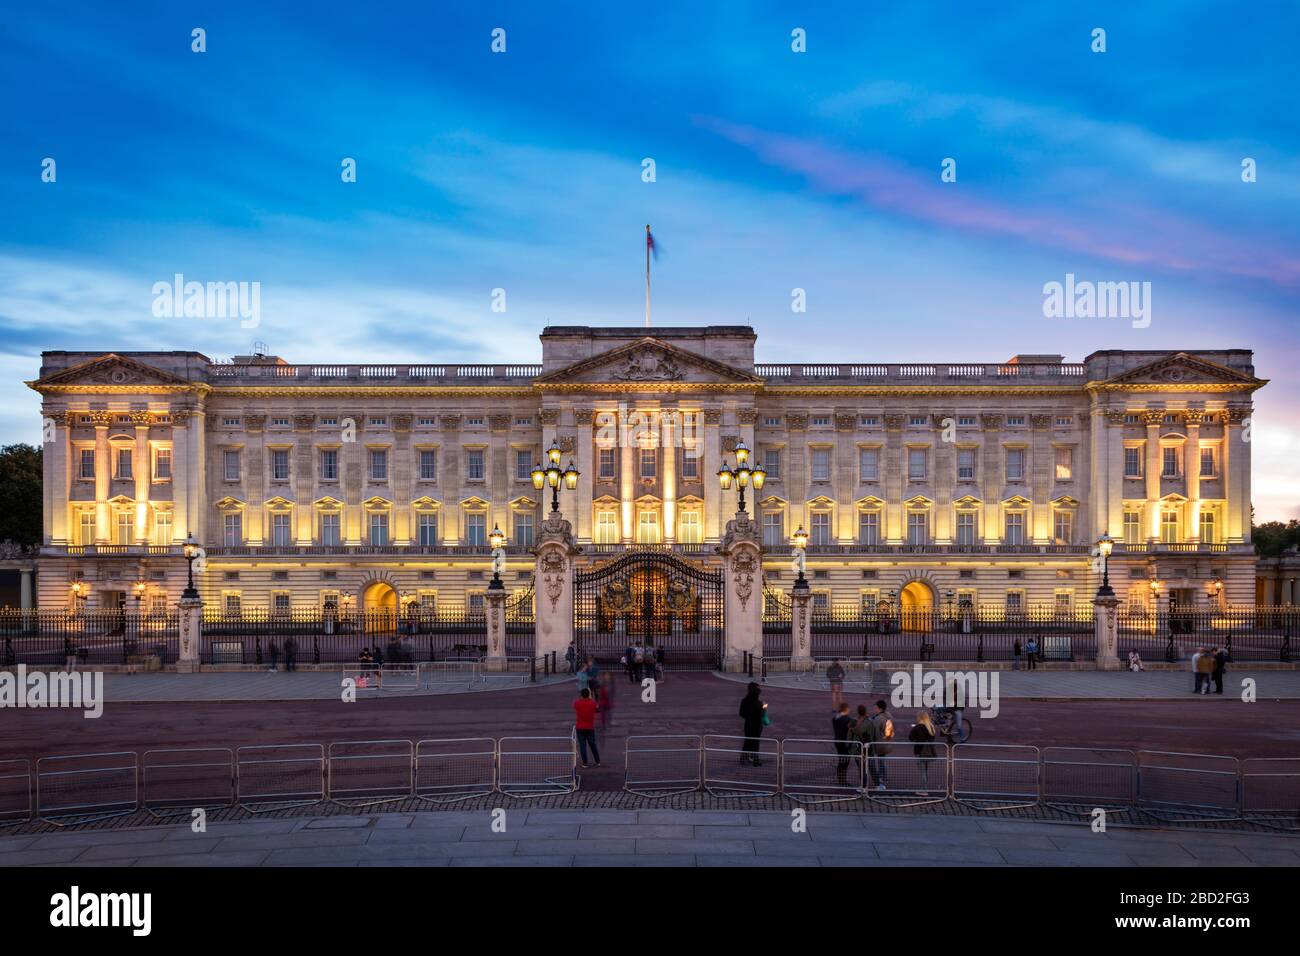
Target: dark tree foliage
<point>20,494</point>
<point>1273,537</point>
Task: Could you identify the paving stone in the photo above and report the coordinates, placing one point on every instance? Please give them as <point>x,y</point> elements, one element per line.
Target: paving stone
<point>1026,857</point>
<point>637,831</point>
<point>697,847</point>
<point>423,835</point>
<point>199,845</point>
<point>697,817</point>
<point>513,861</point>
<point>645,859</point>
<point>241,858</point>
<point>339,823</point>
<point>45,856</point>
<point>604,847</point>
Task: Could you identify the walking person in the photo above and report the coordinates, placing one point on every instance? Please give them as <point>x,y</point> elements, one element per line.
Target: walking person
<point>922,736</point>
<point>629,663</point>
<point>1220,667</point>
<point>638,662</point>
<point>754,714</point>
<point>1016,650</point>
<point>841,726</point>
<point>885,729</point>
<point>866,734</point>
<point>584,725</point>
<point>290,653</point>
<point>1031,654</point>
<point>605,703</point>
<point>571,658</point>
<point>1204,671</point>
<point>274,650</point>
<point>835,677</point>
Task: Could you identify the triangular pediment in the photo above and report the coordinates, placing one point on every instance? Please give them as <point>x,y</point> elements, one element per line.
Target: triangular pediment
<point>647,361</point>
<point>113,371</point>
<point>1183,369</point>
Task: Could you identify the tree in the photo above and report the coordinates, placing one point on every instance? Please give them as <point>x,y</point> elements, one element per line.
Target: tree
<point>20,494</point>
<point>1273,537</point>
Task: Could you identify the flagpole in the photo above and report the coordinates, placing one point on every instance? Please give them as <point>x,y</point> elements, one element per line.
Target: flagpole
<point>647,276</point>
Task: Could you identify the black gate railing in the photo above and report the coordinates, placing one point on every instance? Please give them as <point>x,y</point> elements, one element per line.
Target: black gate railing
<point>650,598</point>
<point>521,625</point>
<point>48,637</point>
<point>1248,633</point>
<point>778,620</point>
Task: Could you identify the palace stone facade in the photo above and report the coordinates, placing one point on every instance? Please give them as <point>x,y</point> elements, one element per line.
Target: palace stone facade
<point>921,483</point>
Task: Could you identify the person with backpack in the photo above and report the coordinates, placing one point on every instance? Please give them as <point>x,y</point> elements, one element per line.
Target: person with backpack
<point>1031,654</point>
<point>835,677</point>
<point>885,727</point>
<point>754,714</point>
<point>922,736</point>
<point>841,726</point>
<point>866,733</point>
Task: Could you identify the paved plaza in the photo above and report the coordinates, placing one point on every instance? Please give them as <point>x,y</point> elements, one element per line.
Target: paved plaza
<point>645,838</point>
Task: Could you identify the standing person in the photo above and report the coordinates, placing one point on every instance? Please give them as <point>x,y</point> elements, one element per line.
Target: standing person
<point>290,653</point>
<point>638,662</point>
<point>593,674</point>
<point>274,650</point>
<point>752,712</point>
<point>922,736</point>
<point>1031,654</point>
<point>571,657</point>
<point>1204,670</point>
<point>1220,667</point>
<point>605,703</point>
<point>1016,650</point>
<point>841,725</point>
<point>584,681</point>
<point>629,663</point>
<point>377,665</point>
<point>584,725</point>
<point>835,677</point>
<point>866,733</point>
<point>885,729</point>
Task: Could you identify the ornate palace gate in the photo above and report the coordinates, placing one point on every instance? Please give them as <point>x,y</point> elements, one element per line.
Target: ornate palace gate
<point>654,598</point>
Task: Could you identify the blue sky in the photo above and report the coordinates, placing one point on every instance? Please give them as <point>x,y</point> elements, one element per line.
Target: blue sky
<point>775,171</point>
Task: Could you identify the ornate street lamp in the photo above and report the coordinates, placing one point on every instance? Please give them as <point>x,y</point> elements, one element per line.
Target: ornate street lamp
<point>551,474</point>
<point>191,550</point>
<point>800,539</point>
<point>138,591</point>
<point>1105,544</point>
<point>498,540</point>
<point>743,475</point>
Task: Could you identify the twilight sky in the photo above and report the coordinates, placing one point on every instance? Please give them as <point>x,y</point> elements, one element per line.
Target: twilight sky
<point>775,170</point>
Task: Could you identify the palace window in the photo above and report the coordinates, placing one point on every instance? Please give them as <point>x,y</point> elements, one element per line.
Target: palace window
<point>378,528</point>
<point>916,462</point>
<point>649,462</point>
<point>378,464</point>
<point>966,421</point>
<point>125,527</point>
<point>869,421</point>
<point>772,421</point>
<point>428,421</point>
<point>647,527</point>
<point>1063,527</point>
<point>476,529</point>
<point>428,464</point>
<point>608,458</point>
<point>1015,464</point>
<point>916,421</point>
<point>88,463</point>
<point>524,529</point>
<point>869,528</point>
<point>821,464</point>
<point>1132,462</point>
<point>1170,458</point>
<point>1169,527</point>
<point>821,421</point>
<point>124,460</point>
<point>1064,464</point>
<point>868,464</point>
<point>688,528</point>
<point>1208,464</point>
<point>772,463</point>
<point>281,533</point>
<point>691,464</point>
<point>230,465</point>
<point>918,528</point>
<point>1064,421</point>
<point>426,529</point>
<point>1015,528</point>
<point>279,464</point>
<point>773,528</point>
<point>821,528</point>
<point>279,423</point>
<point>965,464</point>
<point>965,528</point>
<point>474,464</point>
<point>86,524</point>
<point>1208,528</point>
<point>329,528</point>
<point>232,527</point>
<point>1132,527</point>
<point>1015,421</point>
<point>607,530</point>
<point>329,421</point>
<point>523,464</point>
<point>162,464</point>
<point>329,464</point>
<point>162,527</point>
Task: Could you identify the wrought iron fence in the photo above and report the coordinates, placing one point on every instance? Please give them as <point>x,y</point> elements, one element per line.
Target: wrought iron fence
<point>49,636</point>
<point>1248,633</point>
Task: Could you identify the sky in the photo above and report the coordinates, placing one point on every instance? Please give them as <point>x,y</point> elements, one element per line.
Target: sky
<point>774,170</point>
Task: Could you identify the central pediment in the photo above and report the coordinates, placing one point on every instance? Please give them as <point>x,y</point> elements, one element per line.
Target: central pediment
<point>1181,370</point>
<point>648,363</point>
<point>112,371</point>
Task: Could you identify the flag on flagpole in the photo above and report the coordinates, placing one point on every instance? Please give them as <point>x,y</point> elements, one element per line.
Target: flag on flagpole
<point>651,244</point>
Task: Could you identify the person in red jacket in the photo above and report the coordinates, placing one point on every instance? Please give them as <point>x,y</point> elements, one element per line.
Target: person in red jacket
<point>584,709</point>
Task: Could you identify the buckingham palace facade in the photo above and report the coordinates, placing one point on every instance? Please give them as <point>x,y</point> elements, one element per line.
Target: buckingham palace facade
<point>380,484</point>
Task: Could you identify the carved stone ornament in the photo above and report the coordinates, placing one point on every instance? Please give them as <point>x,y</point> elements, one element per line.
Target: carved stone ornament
<point>648,365</point>
<point>450,422</point>
<point>549,416</point>
<point>402,423</point>
<point>499,423</point>
<point>846,423</point>
<point>583,416</point>
<point>796,421</point>
<point>741,529</point>
<point>304,423</point>
<point>743,569</point>
<point>1238,414</point>
<point>894,423</point>
<point>1153,418</point>
<point>747,416</point>
<point>1116,418</point>
<point>1040,421</point>
<point>556,529</point>
<point>254,423</point>
<point>991,422</point>
<point>680,596</point>
<point>554,570</point>
<point>713,416</point>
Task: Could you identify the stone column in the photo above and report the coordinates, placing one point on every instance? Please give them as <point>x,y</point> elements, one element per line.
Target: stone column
<point>845,478</point>
<point>627,476</point>
<point>25,589</point>
<point>183,522</point>
<point>742,579</point>
<point>1042,467</point>
<point>585,441</point>
<point>991,468</point>
<point>103,475</point>
<point>1105,626</point>
<point>1153,469</point>
<point>795,473</point>
<point>140,470</point>
<point>556,550</point>
<point>800,627</point>
<point>449,479</point>
<point>191,632</point>
<point>496,628</point>
<point>56,478</point>
<point>669,434</point>
<point>711,461</point>
<point>303,478</point>
<point>1237,474</point>
<point>1192,473</point>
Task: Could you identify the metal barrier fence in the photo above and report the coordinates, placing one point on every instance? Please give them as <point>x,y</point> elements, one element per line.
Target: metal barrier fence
<point>896,774</point>
<point>177,781</point>
<point>996,776</point>
<point>1193,784</point>
<point>15,791</point>
<point>447,771</point>
<point>662,765</point>
<point>537,766</point>
<point>365,773</point>
<point>275,776</point>
<point>742,766</point>
<point>821,771</point>
<point>449,672</point>
<point>1270,791</point>
<point>1080,779</point>
<point>80,788</point>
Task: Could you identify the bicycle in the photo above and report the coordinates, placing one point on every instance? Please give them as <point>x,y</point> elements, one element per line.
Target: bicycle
<point>945,722</point>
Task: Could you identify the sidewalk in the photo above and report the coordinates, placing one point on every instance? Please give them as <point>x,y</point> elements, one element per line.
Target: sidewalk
<point>1074,685</point>
<point>645,838</point>
<point>280,685</point>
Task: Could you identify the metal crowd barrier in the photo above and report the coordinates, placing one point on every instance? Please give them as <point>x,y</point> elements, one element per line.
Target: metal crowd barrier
<point>662,765</point>
<point>1270,791</point>
<point>447,771</point>
<point>175,782</point>
<point>742,766</point>
<point>367,678</point>
<point>537,766</point>
<point>80,788</point>
<point>996,776</point>
<point>896,776</point>
<point>366,773</point>
<point>1180,784</point>
<point>400,677</point>
<point>15,791</point>
<point>277,776</point>
<point>1080,779</point>
<point>449,672</point>
<point>821,771</point>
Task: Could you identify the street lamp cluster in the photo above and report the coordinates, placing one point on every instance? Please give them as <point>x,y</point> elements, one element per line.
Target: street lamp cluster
<point>550,474</point>
<point>743,475</point>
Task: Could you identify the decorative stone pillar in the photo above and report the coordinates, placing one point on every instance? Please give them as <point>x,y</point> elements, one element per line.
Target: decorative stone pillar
<point>191,631</point>
<point>496,628</point>
<point>25,589</point>
<point>800,626</point>
<point>742,572</point>
<point>1105,625</point>
<point>555,551</point>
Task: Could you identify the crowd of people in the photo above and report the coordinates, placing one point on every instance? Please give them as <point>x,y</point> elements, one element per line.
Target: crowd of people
<point>1209,664</point>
